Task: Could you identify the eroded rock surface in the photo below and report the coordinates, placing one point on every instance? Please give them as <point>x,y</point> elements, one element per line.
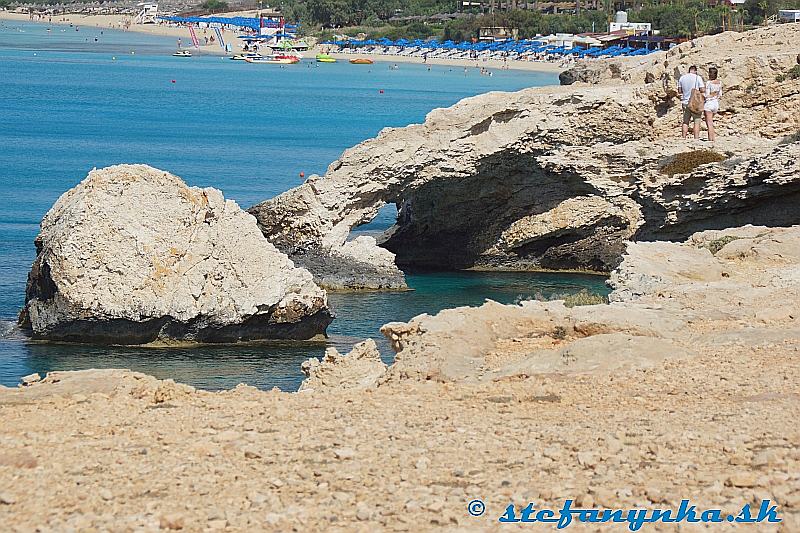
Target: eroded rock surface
<point>361,368</point>
<point>718,428</point>
<point>684,387</point>
<point>563,177</point>
<point>132,255</point>
<point>670,301</point>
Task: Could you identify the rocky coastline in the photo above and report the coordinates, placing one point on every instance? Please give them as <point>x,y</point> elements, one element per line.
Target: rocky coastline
<point>683,386</point>
<point>563,177</point>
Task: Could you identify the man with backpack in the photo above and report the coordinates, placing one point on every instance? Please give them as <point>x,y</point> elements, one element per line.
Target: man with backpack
<point>690,89</point>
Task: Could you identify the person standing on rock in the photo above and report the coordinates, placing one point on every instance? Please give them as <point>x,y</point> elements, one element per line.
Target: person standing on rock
<point>686,84</point>
<point>711,106</point>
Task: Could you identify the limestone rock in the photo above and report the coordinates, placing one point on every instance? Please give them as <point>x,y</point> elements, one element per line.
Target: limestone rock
<point>132,255</point>
<point>670,301</point>
<point>30,379</point>
<point>559,177</point>
<point>495,340</point>
<point>356,265</point>
<point>361,368</point>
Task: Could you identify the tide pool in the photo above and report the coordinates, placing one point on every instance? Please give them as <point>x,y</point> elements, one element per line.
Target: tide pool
<point>72,103</point>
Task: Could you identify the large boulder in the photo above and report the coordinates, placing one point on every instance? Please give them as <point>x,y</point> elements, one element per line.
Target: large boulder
<point>133,255</point>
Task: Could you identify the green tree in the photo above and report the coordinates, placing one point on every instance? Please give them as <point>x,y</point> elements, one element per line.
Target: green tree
<point>214,5</point>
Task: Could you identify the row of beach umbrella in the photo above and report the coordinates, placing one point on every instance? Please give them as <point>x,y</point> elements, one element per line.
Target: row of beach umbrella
<point>239,22</point>
<point>511,46</point>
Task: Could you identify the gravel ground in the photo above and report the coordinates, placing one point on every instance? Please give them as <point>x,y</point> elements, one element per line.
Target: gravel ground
<point>120,451</point>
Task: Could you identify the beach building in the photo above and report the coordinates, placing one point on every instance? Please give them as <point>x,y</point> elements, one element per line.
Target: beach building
<point>497,33</point>
<point>148,13</point>
<point>630,27</point>
<point>789,15</point>
<point>621,24</point>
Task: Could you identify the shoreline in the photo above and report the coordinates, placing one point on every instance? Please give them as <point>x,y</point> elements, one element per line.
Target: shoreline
<point>674,400</point>
<point>117,22</point>
<point>494,64</point>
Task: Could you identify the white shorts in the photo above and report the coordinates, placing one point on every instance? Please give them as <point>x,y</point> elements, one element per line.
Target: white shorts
<point>711,105</point>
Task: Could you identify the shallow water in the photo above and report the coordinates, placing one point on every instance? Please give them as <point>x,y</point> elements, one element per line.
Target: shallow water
<point>358,316</point>
<point>249,130</point>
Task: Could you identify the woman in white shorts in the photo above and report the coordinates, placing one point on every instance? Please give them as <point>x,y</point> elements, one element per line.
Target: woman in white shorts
<point>710,108</point>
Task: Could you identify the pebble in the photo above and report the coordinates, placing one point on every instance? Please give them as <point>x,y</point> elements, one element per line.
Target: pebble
<point>251,453</point>
<point>344,453</point>
<point>363,511</point>
<point>742,479</point>
<point>171,521</point>
<point>229,435</point>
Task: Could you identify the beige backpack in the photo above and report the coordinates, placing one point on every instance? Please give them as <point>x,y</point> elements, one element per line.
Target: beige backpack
<point>696,99</point>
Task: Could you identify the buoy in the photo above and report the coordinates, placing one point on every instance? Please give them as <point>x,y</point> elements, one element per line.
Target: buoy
<point>113,58</point>
<point>302,174</point>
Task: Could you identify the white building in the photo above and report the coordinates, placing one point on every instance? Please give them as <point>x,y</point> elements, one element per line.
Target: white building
<point>789,15</point>
<point>631,27</point>
<point>148,13</point>
<point>621,23</point>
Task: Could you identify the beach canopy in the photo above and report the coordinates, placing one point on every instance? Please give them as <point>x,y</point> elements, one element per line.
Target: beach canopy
<point>509,47</point>
<point>240,22</point>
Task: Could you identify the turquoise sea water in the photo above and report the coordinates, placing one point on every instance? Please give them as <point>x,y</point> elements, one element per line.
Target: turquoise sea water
<point>71,103</point>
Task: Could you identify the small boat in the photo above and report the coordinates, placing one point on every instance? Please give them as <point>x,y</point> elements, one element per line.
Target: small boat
<point>182,53</point>
<point>275,60</point>
<point>245,57</point>
<point>361,61</point>
<point>325,58</point>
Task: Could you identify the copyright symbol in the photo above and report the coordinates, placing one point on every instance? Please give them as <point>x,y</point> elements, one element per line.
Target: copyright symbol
<point>476,508</point>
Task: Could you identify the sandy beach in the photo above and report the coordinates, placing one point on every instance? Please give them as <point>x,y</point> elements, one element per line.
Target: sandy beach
<point>491,64</point>
<point>124,23</point>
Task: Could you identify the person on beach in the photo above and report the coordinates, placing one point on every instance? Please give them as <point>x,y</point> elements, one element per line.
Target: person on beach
<point>711,106</point>
<point>686,83</point>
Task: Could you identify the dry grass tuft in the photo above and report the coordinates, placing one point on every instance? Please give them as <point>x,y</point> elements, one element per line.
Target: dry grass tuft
<point>685,162</point>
